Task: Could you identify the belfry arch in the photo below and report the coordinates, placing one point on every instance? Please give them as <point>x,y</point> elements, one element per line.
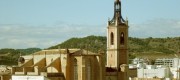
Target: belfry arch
<point>112,38</point>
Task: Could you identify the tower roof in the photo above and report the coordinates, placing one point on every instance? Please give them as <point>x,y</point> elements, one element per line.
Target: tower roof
<point>117,13</point>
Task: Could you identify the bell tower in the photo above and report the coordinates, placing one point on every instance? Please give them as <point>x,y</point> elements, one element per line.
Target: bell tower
<point>117,40</point>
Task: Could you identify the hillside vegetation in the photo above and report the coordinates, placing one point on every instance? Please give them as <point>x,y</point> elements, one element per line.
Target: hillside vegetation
<point>138,47</point>
<point>10,56</point>
<point>92,43</point>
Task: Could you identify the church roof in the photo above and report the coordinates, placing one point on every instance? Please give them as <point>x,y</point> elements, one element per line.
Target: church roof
<point>75,52</point>
<point>55,51</point>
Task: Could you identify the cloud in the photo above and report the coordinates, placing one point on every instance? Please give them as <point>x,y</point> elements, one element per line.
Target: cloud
<point>156,28</point>
<point>23,36</point>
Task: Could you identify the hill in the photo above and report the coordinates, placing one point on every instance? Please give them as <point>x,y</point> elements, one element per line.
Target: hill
<point>138,47</point>
<point>10,56</point>
<point>92,43</point>
<point>151,48</point>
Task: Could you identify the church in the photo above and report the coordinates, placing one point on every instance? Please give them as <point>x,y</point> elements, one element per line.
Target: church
<point>80,64</point>
<point>61,64</point>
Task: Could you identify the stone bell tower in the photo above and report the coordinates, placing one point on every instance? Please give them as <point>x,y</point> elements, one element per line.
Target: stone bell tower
<point>117,41</point>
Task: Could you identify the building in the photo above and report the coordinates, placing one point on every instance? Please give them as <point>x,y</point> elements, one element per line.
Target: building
<point>151,71</point>
<point>117,47</point>
<point>29,78</point>
<point>138,61</point>
<point>170,62</point>
<point>61,64</point>
<point>163,68</point>
<point>79,64</point>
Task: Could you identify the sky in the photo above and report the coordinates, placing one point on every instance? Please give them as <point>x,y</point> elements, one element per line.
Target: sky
<point>44,23</point>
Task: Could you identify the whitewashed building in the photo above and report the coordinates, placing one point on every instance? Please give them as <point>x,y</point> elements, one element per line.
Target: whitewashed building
<point>169,62</point>
<point>29,78</point>
<point>152,71</point>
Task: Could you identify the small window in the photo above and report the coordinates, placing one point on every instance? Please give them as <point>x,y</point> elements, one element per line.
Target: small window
<point>112,38</point>
<point>122,39</point>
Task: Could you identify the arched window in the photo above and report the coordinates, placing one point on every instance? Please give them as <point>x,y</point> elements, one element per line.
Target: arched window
<point>122,39</point>
<point>112,38</point>
<point>75,69</point>
<point>88,69</point>
<point>117,6</point>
